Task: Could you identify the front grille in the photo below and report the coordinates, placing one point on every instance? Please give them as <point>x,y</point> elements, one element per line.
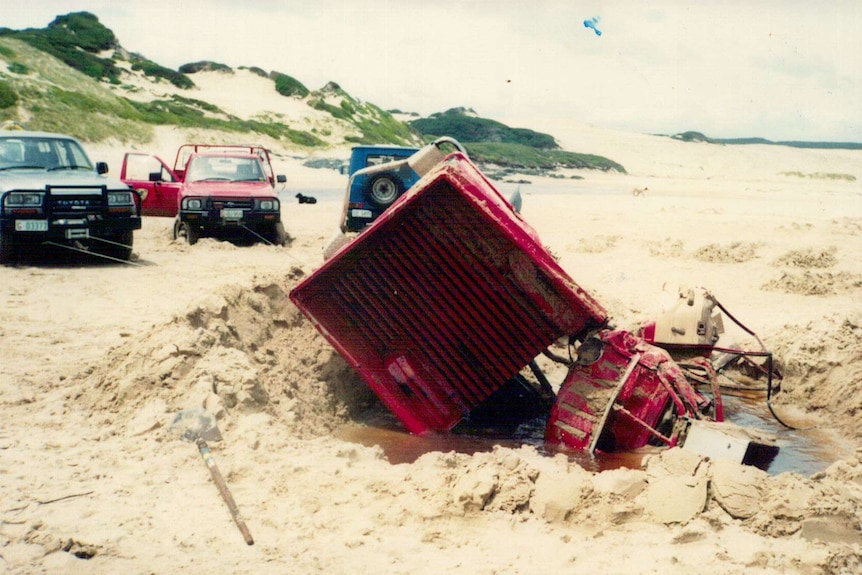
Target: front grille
<point>243,203</point>
<point>443,299</point>
<point>74,206</point>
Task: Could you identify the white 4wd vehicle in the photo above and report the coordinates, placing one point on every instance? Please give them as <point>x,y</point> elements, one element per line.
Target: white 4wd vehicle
<point>52,194</point>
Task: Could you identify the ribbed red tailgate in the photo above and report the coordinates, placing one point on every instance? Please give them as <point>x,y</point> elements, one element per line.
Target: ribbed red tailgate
<point>444,298</point>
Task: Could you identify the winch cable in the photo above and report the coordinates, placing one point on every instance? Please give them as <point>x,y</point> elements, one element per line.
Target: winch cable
<point>558,358</point>
<point>88,252</point>
<point>769,366</point>
<point>269,243</point>
<point>254,233</point>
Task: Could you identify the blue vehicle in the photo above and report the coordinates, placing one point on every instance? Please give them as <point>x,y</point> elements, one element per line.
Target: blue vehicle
<point>379,175</point>
<point>370,193</point>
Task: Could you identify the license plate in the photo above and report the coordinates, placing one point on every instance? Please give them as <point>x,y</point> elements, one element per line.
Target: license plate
<point>361,213</point>
<point>31,225</point>
<point>231,214</point>
<point>77,234</point>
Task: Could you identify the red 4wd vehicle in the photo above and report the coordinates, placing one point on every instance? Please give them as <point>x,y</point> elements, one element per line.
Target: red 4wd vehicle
<point>212,190</point>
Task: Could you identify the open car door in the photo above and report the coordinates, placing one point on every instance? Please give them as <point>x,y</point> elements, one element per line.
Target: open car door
<point>158,184</point>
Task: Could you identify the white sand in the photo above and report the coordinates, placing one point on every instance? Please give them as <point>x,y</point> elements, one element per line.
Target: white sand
<point>96,360</point>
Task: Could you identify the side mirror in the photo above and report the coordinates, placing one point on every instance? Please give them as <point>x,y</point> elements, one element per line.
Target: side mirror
<point>102,167</point>
<point>515,200</point>
<point>281,179</point>
<point>155,176</point>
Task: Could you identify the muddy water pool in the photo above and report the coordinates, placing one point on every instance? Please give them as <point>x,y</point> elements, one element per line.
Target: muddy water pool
<point>804,451</point>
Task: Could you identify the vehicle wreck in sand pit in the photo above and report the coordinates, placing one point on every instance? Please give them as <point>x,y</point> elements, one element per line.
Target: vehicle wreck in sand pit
<point>449,294</point>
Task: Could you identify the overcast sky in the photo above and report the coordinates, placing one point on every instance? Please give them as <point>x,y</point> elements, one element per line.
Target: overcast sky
<point>784,70</point>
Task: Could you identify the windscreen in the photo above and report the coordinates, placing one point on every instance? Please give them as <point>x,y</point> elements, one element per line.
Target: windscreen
<point>18,152</point>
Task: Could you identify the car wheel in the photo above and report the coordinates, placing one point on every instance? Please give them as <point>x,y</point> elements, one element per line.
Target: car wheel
<point>279,235</point>
<point>8,249</point>
<point>186,231</point>
<point>382,190</point>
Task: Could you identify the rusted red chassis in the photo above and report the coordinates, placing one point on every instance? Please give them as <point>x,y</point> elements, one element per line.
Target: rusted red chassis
<point>450,293</point>
<point>623,393</point>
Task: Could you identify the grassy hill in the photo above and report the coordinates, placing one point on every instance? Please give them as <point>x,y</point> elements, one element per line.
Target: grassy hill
<point>465,126</point>
<point>60,77</point>
<point>491,142</point>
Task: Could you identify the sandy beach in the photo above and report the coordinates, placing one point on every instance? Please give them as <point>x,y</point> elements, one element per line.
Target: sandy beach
<point>97,359</point>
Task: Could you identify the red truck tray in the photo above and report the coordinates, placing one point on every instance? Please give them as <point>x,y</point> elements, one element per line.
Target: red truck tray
<point>444,298</point>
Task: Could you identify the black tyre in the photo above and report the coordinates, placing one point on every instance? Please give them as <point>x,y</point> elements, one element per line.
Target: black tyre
<point>382,190</point>
<point>184,230</point>
<point>278,236</point>
<point>8,249</point>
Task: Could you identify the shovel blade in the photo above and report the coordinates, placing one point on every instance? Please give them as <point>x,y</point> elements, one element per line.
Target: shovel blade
<point>195,423</point>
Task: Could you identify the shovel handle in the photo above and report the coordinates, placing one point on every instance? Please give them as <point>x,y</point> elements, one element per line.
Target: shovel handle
<point>225,492</point>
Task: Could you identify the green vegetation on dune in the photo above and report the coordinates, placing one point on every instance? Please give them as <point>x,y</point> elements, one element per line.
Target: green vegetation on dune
<point>288,86</point>
<point>375,125</point>
<point>190,113</point>
<point>491,142</point>
<point>204,66</point>
<point>54,97</point>
<point>8,96</point>
<point>821,176</point>
<point>464,128</point>
<point>154,70</point>
<point>59,99</point>
<point>521,156</point>
<point>692,136</point>
<point>77,39</point>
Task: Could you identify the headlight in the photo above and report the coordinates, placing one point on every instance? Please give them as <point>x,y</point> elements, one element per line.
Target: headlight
<point>21,199</point>
<point>268,205</point>
<point>120,199</point>
<point>192,203</point>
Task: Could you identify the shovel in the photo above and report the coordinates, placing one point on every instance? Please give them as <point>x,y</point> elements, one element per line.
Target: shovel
<point>198,426</point>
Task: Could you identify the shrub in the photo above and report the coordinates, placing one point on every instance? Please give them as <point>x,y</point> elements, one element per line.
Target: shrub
<point>288,86</point>
<point>204,66</point>
<point>8,96</point>
<point>150,68</point>
<point>255,70</point>
<point>19,68</point>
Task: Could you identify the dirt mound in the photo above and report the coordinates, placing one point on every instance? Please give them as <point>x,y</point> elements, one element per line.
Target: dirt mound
<point>669,248</point>
<point>598,244</point>
<point>814,283</point>
<point>823,368</point>
<point>808,258</point>
<point>735,252</point>
<point>244,350</point>
<point>721,492</point>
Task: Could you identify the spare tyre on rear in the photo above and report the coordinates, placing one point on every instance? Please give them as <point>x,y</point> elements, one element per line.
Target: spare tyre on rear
<point>383,189</point>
